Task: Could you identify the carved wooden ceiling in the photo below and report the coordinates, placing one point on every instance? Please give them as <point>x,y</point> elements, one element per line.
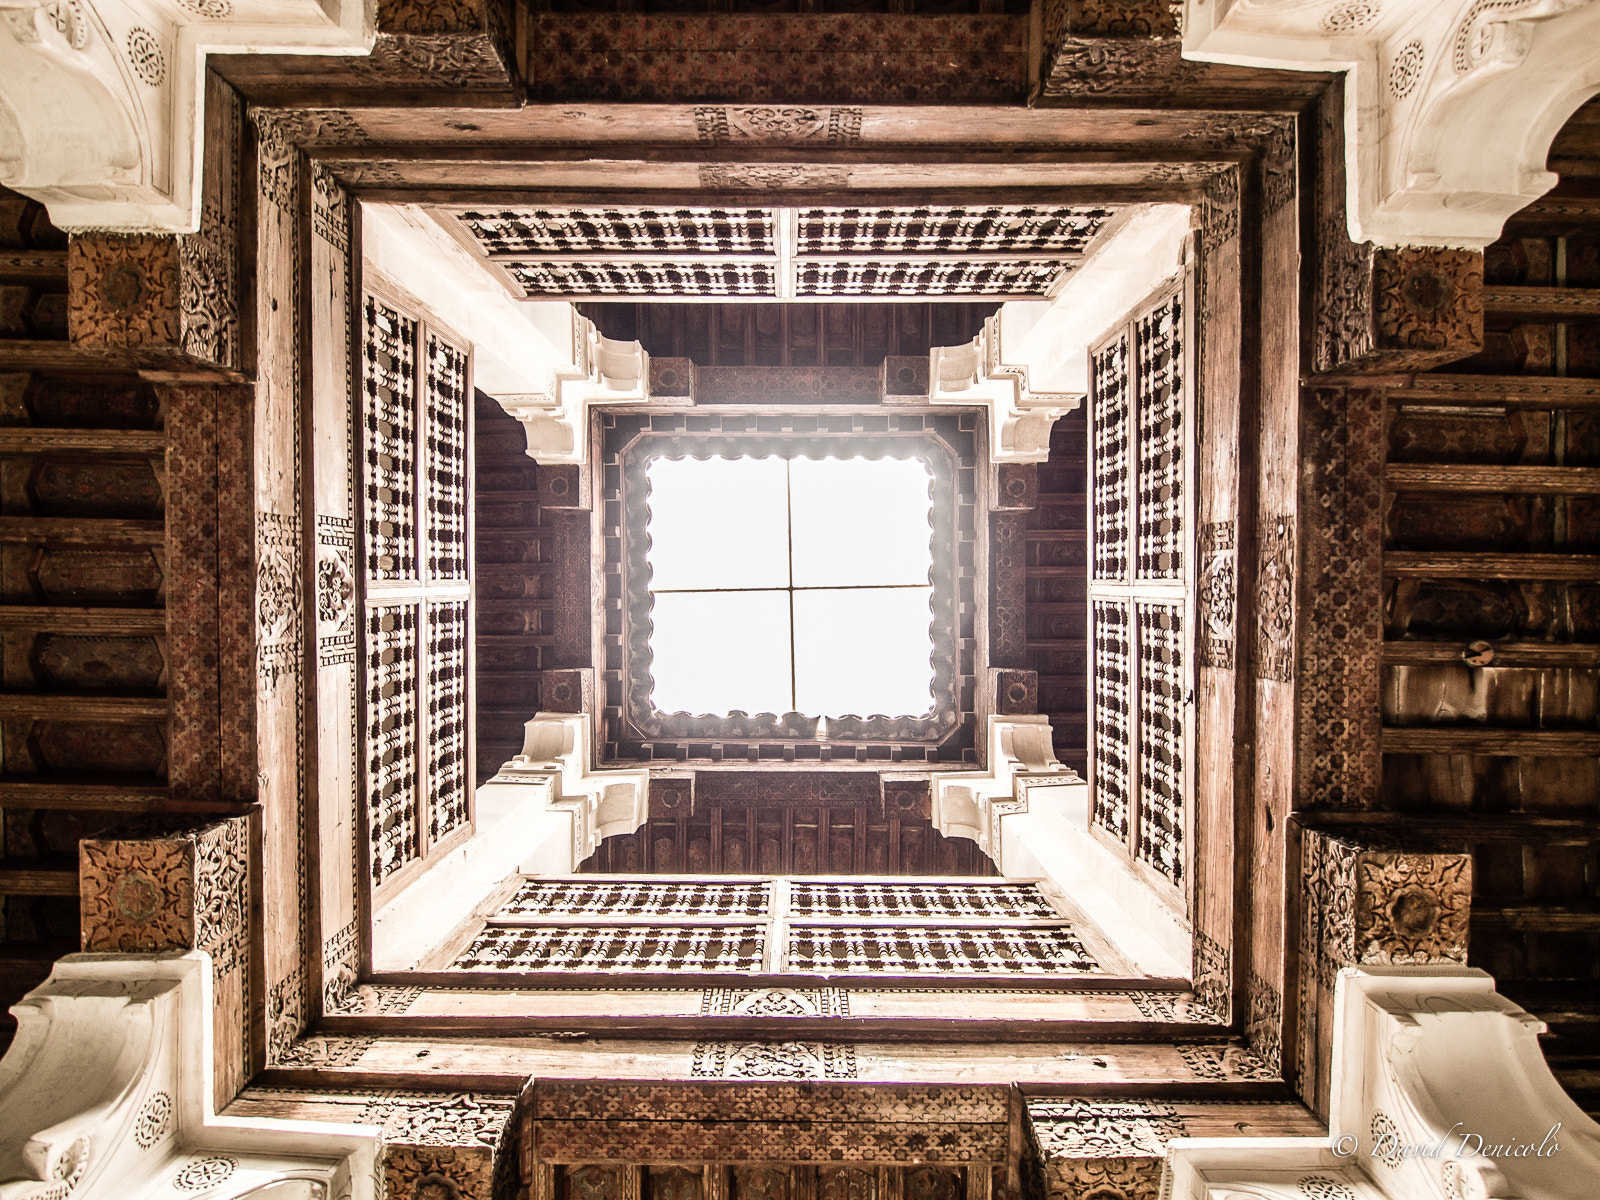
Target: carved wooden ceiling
<point>996,251</point>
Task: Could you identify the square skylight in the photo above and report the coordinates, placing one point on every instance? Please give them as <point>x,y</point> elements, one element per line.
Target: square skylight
<point>790,585</point>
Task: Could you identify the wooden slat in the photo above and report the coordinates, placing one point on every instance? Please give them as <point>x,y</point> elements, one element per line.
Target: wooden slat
<point>106,797</point>
<point>20,439</point>
<point>1461,477</point>
<point>22,878</point>
<point>1429,564</point>
<point>83,620</point>
<point>1053,572</point>
<point>81,531</point>
<point>1504,654</point>
<point>56,706</point>
<point>1498,391</point>
<point>33,264</point>
<point>1535,918</point>
<point>1469,739</point>
<point>1555,214</point>
<point>1054,535</point>
<point>1443,827</point>
<point>1544,303</point>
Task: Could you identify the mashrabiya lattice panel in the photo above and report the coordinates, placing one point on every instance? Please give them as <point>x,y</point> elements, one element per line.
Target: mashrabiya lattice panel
<point>867,900</point>
<point>537,898</point>
<point>609,231</point>
<point>392,737</point>
<point>862,948</point>
<point>1158,352</point>
<point>445,442</point>
<point>1161,749</point>
<point>1111,408</point>
<point>446,717</point>
<point>615,948</point>
<point>909,277</point>
<point>1066,231</point>
<point>622,278</point>
<point>389,402</point>
<point>1113,715</point>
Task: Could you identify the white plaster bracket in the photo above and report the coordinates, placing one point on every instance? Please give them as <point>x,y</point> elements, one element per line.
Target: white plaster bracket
<point>602,803</point>
<point>106,1093</point>
<point>977,374</point>
<point>972,804</point>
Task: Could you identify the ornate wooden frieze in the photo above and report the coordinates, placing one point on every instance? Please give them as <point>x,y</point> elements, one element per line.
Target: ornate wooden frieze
<point>774,1060</point>
<point>775,1002</point>
<point>161,886</point>
<point>1214,632</point>
<point>1212,975</point>
<point>1341,623</point>
<point>123,291</point>
<point>778,1122</point>
<point>424,1172</point>
<point>783,125</point>
<point>1008,589</point>
<point>1275,598</point>
<point>1100,47</point>
<point>1264,1020</point>
<point>1218,210</point>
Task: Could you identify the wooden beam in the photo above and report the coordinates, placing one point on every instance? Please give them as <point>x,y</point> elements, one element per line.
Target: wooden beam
<point>1535,918</point>
<point>23,439</point>
<point>1496,391</point>
<point>1463,477</point>
<point>57,706</point>
<point>33,264</point>
<point>1491,742</point>
<point>1542,303</point>
<point>1501,654</point>
<point>19,877</point>
<point>81,531</point>
<point>105,797</point>
<point>83,620</point>
<point>1456,564</point>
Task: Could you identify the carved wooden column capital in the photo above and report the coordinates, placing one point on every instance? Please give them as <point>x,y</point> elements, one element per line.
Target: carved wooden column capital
<point>1366,902</point>
<point>455,43</point>
<point>1102,47</point>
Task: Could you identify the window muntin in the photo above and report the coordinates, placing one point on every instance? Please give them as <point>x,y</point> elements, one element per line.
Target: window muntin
<point>770,594</point>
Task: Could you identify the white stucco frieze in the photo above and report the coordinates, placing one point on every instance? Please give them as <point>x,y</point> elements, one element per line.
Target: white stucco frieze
<point>602,803</point>
<point>101,101</point>
<point>971,804</point>
<point>1450,106</point>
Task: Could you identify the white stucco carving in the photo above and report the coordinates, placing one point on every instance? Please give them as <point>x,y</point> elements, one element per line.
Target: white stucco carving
<point>1451,105</point>
<point>101,100</point>
<point>106,1093</point>
<point>981,373</point>
<point>602,803</point>
<point>1440,1092</point>
<point>970,804</point>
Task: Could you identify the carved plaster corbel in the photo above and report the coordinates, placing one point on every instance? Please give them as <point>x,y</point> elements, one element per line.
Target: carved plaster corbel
<point>603,371</point>
<point>602,803</point>
<point>972,804</point>
<point>976,374</point>
<point>106,1092</point>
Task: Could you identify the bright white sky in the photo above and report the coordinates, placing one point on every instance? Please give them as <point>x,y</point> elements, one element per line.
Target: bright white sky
<point>857,561</point>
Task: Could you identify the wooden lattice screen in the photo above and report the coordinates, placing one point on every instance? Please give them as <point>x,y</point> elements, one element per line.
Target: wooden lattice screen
<point>1141,589</point>
<point>417,629</point>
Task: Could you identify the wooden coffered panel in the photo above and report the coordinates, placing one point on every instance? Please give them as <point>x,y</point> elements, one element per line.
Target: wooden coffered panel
<point>769,253</point>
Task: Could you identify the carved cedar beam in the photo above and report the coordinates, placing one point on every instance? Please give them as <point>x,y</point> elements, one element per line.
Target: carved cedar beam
<point>1366,902</point>
<point>168,886</point>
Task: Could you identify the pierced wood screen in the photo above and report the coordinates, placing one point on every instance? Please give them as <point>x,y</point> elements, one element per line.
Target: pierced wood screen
<point>1141,589</point>
<point>415,467</point>
<point>786,926</point>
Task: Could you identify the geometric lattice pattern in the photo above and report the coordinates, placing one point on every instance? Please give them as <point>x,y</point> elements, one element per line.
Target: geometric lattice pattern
<point>607,232</point>
<point>446,718</point>
<point>1113,717</point>
<point>1159,359</point>
<point>929,251</point>
<point>877,950</point>
<point>602,278</point>
<point>391,737</point>
<point>1112,403</point>
<point>390,422</point>
<point>908,277</point>
<point>444,383</point>
<point>615,948</point>
<point>868,900</point>
<point>580,898</point>
<point>1067,231</point>
<point>1161,741</point>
